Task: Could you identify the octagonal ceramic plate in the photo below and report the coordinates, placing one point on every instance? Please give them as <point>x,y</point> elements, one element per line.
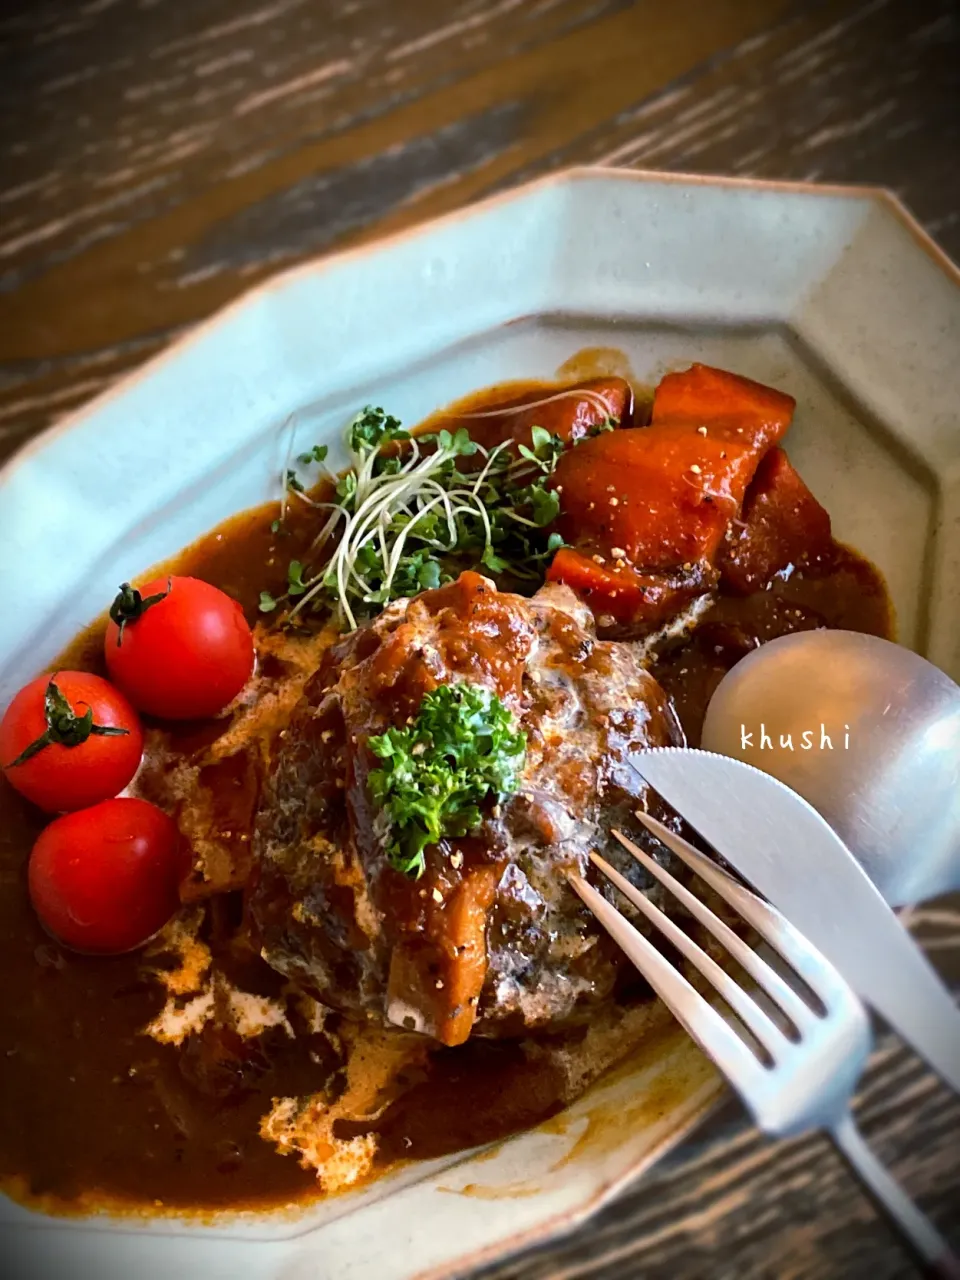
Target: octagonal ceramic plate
<point>834,295</point>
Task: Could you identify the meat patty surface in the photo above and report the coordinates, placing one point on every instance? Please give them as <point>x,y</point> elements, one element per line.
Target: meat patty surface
<point>490,940</point>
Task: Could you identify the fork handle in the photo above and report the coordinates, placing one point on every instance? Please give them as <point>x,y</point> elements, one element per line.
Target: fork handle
<point>928,1247</point>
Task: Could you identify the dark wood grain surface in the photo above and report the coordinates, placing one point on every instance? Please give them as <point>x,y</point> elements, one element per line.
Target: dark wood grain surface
<point>157,158</point>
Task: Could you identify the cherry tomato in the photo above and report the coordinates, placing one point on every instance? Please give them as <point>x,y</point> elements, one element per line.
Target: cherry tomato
<point>104,880</point>
<point>179,648</point>
<point>69,740</point>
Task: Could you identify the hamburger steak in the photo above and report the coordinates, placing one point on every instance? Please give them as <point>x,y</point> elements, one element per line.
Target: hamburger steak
<point>490,940</point>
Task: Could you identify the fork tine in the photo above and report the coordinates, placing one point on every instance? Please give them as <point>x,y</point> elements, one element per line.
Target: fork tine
<point>692,1011</point>
<point>771,982</point>
<point>744,1006</point>
<point>819,975</point>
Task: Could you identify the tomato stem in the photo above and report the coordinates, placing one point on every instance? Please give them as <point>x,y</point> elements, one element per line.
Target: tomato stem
<point>64,726</point>
<point>129,606</point>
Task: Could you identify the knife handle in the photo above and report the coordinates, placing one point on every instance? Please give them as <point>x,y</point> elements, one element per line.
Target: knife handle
<point>917,1233</point>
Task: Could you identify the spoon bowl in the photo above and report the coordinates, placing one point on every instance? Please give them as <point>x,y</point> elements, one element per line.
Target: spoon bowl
<point>869,734</point>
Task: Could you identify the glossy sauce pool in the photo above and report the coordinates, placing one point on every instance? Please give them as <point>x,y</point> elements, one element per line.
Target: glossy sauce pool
<point>94,1113</point>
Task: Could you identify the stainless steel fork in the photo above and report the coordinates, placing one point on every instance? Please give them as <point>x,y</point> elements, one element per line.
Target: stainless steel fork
<point>795,1066</point>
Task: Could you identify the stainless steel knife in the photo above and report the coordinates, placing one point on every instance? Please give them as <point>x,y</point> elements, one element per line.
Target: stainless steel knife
<point>780,845</point>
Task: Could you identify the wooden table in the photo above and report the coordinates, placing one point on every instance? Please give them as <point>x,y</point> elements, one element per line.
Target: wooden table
<point>159,158</point>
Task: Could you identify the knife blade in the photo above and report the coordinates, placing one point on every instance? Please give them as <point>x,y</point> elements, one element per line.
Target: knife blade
<point>781,846</point>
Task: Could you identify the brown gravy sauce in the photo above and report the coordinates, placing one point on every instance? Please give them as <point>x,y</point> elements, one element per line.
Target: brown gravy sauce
<point>93,1113</point>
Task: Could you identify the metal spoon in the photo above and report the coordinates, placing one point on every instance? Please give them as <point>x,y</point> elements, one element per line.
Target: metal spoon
<point>869,734</point>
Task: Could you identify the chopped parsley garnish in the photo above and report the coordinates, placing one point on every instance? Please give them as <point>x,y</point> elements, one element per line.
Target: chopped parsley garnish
<point>462,749</point>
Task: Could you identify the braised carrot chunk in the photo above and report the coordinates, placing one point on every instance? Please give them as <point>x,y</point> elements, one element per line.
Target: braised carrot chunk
<point>615,591</point>
<point>647,511</point>
<point>436,974</point>
<point>783,525</point>
<point>621,597</point>
<point>724,403</point>
<point>570,413</point>
<point>662,495</point>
